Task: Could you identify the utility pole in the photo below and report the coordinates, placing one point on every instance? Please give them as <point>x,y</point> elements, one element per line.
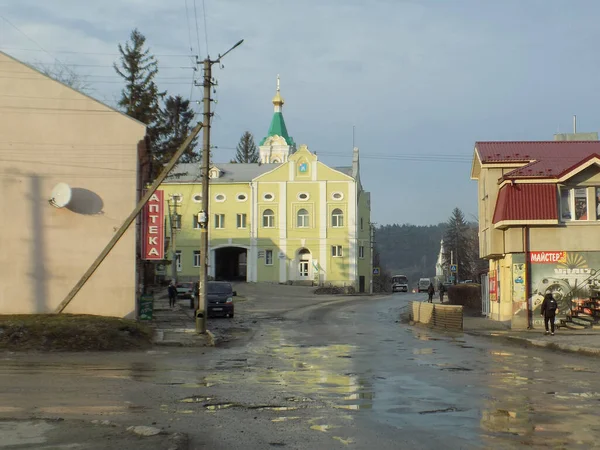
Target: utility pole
<point>372,233</point>
<point>174,221</point>
<point>201,313</point>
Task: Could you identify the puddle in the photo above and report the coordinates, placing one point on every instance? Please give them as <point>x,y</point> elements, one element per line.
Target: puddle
<point>195,399</point>
<point>217,406</point>
<point>500,353</point>
<point>456,369</point>
<point>299,399</point>
<point>344,441</point>
<point>423,351</point>
<point>323,428</point>
<point>285,419</point>
<point>445,410</point>
<point>274,408</point>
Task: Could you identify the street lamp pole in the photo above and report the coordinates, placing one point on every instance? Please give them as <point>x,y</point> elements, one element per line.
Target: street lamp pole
<point>201,313</point>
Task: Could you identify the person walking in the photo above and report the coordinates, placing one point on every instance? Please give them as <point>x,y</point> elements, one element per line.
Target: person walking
<point>430,291</point>
<point>172,294</point>
<point>441,290</point>
<point>548,310</point>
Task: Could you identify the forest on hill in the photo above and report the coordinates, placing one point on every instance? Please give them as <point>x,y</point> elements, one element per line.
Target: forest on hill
<point>410,250</point>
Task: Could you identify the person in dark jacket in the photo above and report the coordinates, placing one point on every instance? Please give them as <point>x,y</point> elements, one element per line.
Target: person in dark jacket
<point>430,291</point>
<point>172,294</point>
<point>548,310</point>
<point>441,290</point>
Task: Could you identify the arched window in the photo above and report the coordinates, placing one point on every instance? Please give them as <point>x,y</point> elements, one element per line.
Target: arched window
<point>337,218</point>
<point>268,218</point>
<point>302,218</point>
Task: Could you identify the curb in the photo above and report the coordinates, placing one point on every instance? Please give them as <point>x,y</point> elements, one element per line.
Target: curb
<point>590,351</point>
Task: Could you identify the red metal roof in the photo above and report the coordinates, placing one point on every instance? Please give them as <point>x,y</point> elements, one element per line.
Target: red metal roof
<point>545,159</point>
<point>526,202</point>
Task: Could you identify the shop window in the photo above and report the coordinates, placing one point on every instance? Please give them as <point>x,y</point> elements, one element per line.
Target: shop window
<point>598,203</point>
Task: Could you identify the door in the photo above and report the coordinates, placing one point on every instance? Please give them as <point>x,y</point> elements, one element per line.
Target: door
<point>361,283</point>
<point>303,270</point>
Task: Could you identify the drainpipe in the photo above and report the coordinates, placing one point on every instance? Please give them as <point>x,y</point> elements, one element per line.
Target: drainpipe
<point>527,276</point>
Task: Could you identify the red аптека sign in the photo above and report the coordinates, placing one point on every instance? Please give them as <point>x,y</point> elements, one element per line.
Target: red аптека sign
<point>154,227</point>
<point>547,257</point>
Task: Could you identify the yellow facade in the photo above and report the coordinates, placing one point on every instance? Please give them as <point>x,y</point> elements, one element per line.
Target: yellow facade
<point>303,222</point>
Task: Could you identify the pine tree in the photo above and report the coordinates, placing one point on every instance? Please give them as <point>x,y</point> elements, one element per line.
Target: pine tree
<point>174,124</point>
<point>458,240</point>
<point>140,97</point>
<point>246,149</point>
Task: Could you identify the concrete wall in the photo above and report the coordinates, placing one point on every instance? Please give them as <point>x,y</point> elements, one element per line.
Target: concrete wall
<point>50,133</point>
<point>446,317</point>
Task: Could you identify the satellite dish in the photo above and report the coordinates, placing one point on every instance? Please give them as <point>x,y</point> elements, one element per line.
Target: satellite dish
<point>61,195</point>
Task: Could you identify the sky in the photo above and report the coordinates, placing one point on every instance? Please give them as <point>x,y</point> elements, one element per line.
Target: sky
<point>419,81</point>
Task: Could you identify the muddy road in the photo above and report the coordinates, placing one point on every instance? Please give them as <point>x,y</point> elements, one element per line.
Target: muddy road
<point>342,374</point>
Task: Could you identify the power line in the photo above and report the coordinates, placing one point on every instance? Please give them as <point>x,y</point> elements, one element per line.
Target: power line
<point>197,29</point>
<point>205,27</point>
<point>187,21</point>
<point>162,55</point>
<point>35,42</point>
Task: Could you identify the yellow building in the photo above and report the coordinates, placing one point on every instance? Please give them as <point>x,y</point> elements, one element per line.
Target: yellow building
<point>287,219</point>
<point>539,211</point>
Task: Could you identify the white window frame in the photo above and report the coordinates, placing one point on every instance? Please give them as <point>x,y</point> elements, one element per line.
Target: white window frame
<point>219,221</point>
<point>571,199</point>
<point>268,257</point>
<point>223,197</point>
<point>337,196</point>
<point>268,199</point>
<point>178,261</point>
<point>337,219</point>
<point>241,194</point>
<point>305,222</point>
<point>337,251</point>
<point>197,198</point>
<point>197,259</point>
<point>303,199</point>
<point>241,221</point>
<point>361,252</point>
<point>270,218</point>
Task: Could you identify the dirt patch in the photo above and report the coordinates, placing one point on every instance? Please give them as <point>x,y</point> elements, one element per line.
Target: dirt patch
<point>71,332</point>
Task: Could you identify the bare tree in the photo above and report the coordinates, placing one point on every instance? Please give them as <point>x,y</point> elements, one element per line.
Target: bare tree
<point>65,75</point>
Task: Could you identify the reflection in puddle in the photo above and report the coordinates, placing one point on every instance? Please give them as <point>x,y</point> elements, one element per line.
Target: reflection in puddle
<point>500,353</point>
<point>423,351</point>
<point>285,419</point>
<point>195,399</point>
<point>323,428</point>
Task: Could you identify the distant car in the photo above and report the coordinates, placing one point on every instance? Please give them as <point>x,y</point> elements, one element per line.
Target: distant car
<point>220,299</point>
<point>447,284</point>
<point>423,284</point>
<point>185,290</point>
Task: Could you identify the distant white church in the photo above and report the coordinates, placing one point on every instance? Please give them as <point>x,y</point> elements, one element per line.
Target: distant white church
<point>439,265</point>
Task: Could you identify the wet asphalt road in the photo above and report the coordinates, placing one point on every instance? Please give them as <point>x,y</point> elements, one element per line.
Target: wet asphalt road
<point>343,374</point>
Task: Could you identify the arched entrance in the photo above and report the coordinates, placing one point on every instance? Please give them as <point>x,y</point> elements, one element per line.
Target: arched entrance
<point>231,264</point>
<point>304,264</point>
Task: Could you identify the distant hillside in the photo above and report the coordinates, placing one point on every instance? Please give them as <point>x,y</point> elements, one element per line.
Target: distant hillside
<point>409,250</point>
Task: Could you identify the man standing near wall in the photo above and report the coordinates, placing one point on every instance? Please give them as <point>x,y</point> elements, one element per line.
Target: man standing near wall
<point>548,309</point>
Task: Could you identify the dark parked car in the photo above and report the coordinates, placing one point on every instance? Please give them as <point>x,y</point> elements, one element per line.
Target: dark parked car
<point>220,299</point>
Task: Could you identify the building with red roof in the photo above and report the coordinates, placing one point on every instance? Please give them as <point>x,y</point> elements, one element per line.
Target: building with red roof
<point>539,227</point>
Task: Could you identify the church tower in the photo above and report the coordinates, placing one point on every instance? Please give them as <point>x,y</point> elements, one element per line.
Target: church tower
<point>277,145</point>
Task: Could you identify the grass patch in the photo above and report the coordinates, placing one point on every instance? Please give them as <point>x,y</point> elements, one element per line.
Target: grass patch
<point>71,332</point>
